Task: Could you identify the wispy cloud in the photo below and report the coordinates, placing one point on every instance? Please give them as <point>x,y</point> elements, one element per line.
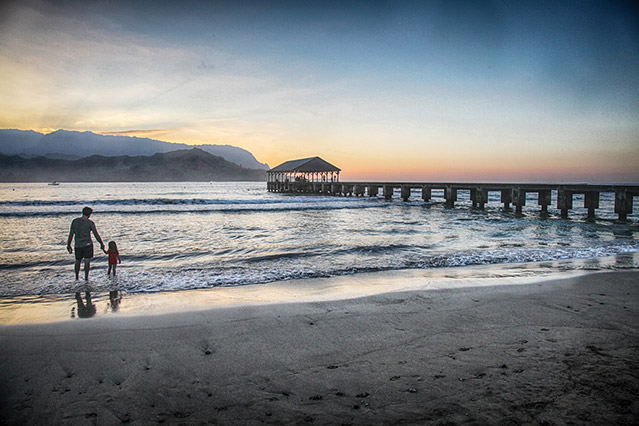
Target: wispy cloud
<point>148,132</point>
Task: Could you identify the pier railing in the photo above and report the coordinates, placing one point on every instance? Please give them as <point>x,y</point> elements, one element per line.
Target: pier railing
<point>511,193</point>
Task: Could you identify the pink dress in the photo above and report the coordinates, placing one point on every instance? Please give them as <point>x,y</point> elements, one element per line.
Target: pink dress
<point>113,257</point>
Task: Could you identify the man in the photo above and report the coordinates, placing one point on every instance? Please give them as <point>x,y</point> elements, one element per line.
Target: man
<point>81,228</point>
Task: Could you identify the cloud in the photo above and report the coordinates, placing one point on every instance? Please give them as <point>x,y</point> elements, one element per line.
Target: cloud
<point>147,132</point>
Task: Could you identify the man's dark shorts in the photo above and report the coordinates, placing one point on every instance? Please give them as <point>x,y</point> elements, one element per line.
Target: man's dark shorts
<point>85,252</point>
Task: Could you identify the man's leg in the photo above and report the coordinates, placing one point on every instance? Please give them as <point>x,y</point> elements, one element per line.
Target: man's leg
<point>87,267</point>
<point>77,268</point>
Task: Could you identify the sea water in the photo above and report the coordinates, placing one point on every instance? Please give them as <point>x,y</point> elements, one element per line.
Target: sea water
<point>180,236</point>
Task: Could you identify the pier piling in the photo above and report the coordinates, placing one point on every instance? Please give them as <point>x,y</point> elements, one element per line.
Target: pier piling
<point>481,198</point>
<point>347,189</point>
<point>564,201</point>
<point>519,199</point>
<point>506,198</point>
<point>544,199</point>
<point>388,192</point>
<point>623,203</point>
<point>450,194</point>
<point>426,193</point>
<point>405,192</point>
<point>591,202</point>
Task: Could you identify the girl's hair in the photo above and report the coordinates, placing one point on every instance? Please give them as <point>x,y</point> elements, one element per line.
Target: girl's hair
<point>113,246</point>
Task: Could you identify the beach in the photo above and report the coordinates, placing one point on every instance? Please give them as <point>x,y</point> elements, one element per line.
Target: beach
<point>550,352</point>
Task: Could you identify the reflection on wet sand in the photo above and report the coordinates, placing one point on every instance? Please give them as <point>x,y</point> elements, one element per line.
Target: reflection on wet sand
<point>86,308</point>
<point>115,298</point>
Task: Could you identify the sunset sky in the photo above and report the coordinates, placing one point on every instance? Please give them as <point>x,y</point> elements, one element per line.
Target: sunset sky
<point>440,90</point>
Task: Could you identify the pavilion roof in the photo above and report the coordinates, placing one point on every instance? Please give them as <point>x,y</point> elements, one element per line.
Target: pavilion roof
<point>312,164</point>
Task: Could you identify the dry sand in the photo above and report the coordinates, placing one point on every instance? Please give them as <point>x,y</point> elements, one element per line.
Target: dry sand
<point>554,352</point>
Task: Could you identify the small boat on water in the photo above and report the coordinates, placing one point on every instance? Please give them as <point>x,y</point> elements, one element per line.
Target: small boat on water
<point>55,183</point>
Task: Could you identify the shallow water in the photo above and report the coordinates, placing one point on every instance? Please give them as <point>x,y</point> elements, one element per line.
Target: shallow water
<point>179,236</point>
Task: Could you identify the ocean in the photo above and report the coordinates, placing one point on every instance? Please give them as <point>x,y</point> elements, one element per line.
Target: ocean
<point>181,236</point>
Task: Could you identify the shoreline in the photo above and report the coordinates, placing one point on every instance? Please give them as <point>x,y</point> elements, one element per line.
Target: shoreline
<point>34,309</point>
<point>547,352</point>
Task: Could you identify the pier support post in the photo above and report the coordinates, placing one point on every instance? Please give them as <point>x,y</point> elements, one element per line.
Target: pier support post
<point>544,199</point>
<point>426,193</point>
<point>450,194</point>
<point>473,197</point>
<point>347,189</point>
<point>359,190</point>
<point>372,190</point>
<point>336,188</point>
<point>506,198</point>
<point>591,202</point>
<point>388,192</point>
<point>564,202</point>
<point>405,193</point>
<point>519,199</point>
<point>481,198</point>
<point>623,203</point>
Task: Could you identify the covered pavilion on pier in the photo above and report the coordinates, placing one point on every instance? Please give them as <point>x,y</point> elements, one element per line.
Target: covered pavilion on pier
<point>313,169</point>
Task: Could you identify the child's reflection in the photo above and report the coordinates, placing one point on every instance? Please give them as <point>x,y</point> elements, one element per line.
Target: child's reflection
<point>115,298</point>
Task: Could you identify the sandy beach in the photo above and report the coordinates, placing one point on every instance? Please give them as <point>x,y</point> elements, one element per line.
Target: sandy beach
<point>546,353</point>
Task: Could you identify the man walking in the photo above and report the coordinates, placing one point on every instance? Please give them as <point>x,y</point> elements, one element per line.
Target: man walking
<point>81,228</point>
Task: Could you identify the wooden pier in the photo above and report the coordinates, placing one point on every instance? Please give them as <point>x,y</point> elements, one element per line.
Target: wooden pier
<point>316,176</point>
<point>510,193</point>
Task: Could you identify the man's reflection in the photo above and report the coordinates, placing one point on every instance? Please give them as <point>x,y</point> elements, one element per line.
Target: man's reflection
<point>85,310</point>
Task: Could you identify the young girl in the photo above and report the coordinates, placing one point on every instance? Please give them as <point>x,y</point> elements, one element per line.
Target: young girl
<point>114,257</point>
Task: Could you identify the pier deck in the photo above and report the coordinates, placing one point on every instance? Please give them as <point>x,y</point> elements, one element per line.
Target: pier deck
<point>511,193</point>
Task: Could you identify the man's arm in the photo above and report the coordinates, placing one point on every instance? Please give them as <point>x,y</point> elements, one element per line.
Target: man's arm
<point>71,234</point>
<point>97,236</point>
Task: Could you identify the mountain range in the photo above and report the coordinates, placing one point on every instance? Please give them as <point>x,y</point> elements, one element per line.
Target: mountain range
<point>71,145</point>
<point>182,165</point>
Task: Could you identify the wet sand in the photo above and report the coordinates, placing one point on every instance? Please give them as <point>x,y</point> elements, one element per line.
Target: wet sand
<point>552,352</point>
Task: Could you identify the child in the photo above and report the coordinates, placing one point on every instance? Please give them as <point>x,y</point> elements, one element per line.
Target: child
<point>114,257</point>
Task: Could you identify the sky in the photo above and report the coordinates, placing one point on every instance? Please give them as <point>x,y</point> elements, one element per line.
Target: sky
<point>451,90</point>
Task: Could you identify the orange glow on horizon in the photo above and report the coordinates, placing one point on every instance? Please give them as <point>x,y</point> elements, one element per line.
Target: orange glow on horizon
<point>464,171</point>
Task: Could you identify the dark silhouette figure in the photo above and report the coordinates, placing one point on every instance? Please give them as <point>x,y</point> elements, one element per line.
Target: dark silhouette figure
<point>81,229</point>
<point>114,257</point>
<point>85,310</point>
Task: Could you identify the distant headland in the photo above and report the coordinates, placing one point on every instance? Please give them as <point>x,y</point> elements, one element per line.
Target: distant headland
<point>69,156</point>
<point>176,166</point>
<point>71,145</point>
